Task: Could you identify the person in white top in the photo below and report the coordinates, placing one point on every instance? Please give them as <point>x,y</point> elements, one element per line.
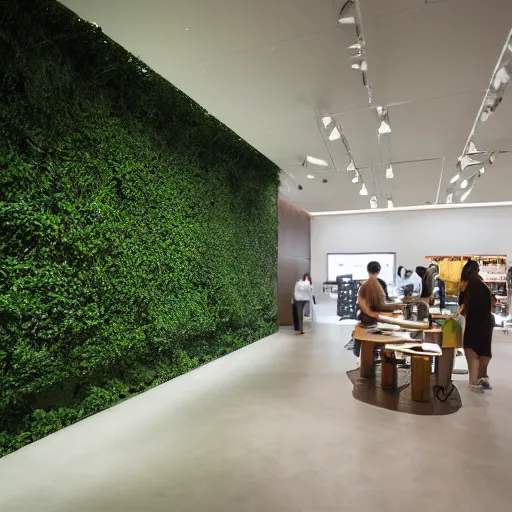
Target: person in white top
<point>301,297</point>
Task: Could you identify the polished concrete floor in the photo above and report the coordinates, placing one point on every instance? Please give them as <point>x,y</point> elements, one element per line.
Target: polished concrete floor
<point>273,427</point>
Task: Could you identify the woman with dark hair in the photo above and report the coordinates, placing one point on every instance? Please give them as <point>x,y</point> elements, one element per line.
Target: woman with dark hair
<point>475,303</point>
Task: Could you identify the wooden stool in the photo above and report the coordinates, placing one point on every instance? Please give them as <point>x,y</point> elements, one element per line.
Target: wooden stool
<point>420,378</point>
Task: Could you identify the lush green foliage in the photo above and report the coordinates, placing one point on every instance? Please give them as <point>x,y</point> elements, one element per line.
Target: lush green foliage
<point>138,233</point>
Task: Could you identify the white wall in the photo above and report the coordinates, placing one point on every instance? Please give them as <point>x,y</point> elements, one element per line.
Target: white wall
<point>411,234</point>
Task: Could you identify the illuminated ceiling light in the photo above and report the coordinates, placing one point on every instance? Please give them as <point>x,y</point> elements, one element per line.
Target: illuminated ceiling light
<point>464,184</point>
<point>335,134</point>
<point>327,121</point>
<point>449,198</point>
<point>351,166</point>
<point>390,203</point>
<point>363,191</point>
<point>384,128</point>
<point>348,14</point>
<point>484,116</point>
<point>355,179</point>
<point>501,78</point>
<point>362,64</point>
<point>316,161</point>
<point>466,161</point>
<point>374,203</point>
<point>482,171</point>
<point>385,125</point>
<point>310,177</point>
<point>455,178</point>
<point>464,196</point>
<point>471,185</point>
<point>358,46</point>
<point>389,172</point>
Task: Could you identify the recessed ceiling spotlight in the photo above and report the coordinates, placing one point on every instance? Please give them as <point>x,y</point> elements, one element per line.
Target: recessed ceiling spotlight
<point>351,166</point>
<point>389,172</point>
<point>316,161</point>
<point>310,177</point>
<point>363,191</point>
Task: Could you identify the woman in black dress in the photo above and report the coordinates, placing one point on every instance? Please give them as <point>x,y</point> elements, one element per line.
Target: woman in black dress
<point>476,302</point>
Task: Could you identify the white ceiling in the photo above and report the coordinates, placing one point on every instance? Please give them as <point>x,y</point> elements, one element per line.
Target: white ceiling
<point>269,69</point>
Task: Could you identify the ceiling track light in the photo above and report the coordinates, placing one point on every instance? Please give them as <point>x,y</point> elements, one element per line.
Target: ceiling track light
<point>351,166</point>
<point>455,179</point>
<point>314,161</point>
<point>363,191</point>
<point>374,204</point>
<point>385,125</point>
<point>466,161</point>
<point>390,203</point>
<point>348,13</point>
<point>389,172</point>
<point>355,179</point>
<point>449,198</point>
<point>500,79</point>
<point>332,129</point>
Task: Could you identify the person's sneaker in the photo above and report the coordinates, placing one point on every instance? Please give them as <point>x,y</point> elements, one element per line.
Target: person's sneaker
<point>485,383</point>
<point>476,388</point>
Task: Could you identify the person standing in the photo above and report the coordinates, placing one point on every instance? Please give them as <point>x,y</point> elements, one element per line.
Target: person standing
<point>301,297</point>
<point>476,303</point>
<point>372,301</point>
<point>308,308</point>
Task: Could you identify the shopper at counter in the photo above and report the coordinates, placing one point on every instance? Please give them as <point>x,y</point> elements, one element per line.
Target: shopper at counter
<point>372,298</point>
<point>475,302</point>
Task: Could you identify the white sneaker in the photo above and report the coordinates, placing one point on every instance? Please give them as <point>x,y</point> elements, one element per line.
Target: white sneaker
<point>485,383</point>
<point>476,388</point>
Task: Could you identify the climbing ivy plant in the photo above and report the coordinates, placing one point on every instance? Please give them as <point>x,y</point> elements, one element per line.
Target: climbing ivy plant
<point>138,233</point>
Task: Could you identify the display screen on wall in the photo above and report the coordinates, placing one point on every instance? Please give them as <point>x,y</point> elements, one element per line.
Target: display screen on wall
<point>341,264</point>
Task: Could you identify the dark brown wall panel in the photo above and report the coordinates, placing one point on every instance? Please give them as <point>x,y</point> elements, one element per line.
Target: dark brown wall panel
<point>294,247</point>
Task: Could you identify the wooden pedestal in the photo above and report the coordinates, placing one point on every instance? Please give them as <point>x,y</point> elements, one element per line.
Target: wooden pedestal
<point>389,371</point>
<point>420,378</point>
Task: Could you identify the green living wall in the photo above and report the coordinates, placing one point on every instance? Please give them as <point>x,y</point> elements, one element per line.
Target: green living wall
<point>138,233</point>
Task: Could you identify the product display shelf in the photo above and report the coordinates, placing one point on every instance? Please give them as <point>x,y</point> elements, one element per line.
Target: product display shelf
<point>493,270</point>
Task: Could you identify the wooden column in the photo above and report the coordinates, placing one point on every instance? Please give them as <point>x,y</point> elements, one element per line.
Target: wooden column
<point>389,372</point>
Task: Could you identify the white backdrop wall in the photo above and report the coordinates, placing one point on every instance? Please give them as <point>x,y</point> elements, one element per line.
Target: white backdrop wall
<point>411,234</point>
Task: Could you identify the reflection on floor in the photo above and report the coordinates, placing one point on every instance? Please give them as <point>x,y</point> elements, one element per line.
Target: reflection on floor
<point>273,427</point>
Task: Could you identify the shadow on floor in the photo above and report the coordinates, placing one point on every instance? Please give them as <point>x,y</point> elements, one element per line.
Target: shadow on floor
<point>400,400</point>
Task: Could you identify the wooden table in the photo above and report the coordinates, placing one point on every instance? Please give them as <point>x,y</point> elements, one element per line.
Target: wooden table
<point>420,368</point>
<point>368,343</point>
